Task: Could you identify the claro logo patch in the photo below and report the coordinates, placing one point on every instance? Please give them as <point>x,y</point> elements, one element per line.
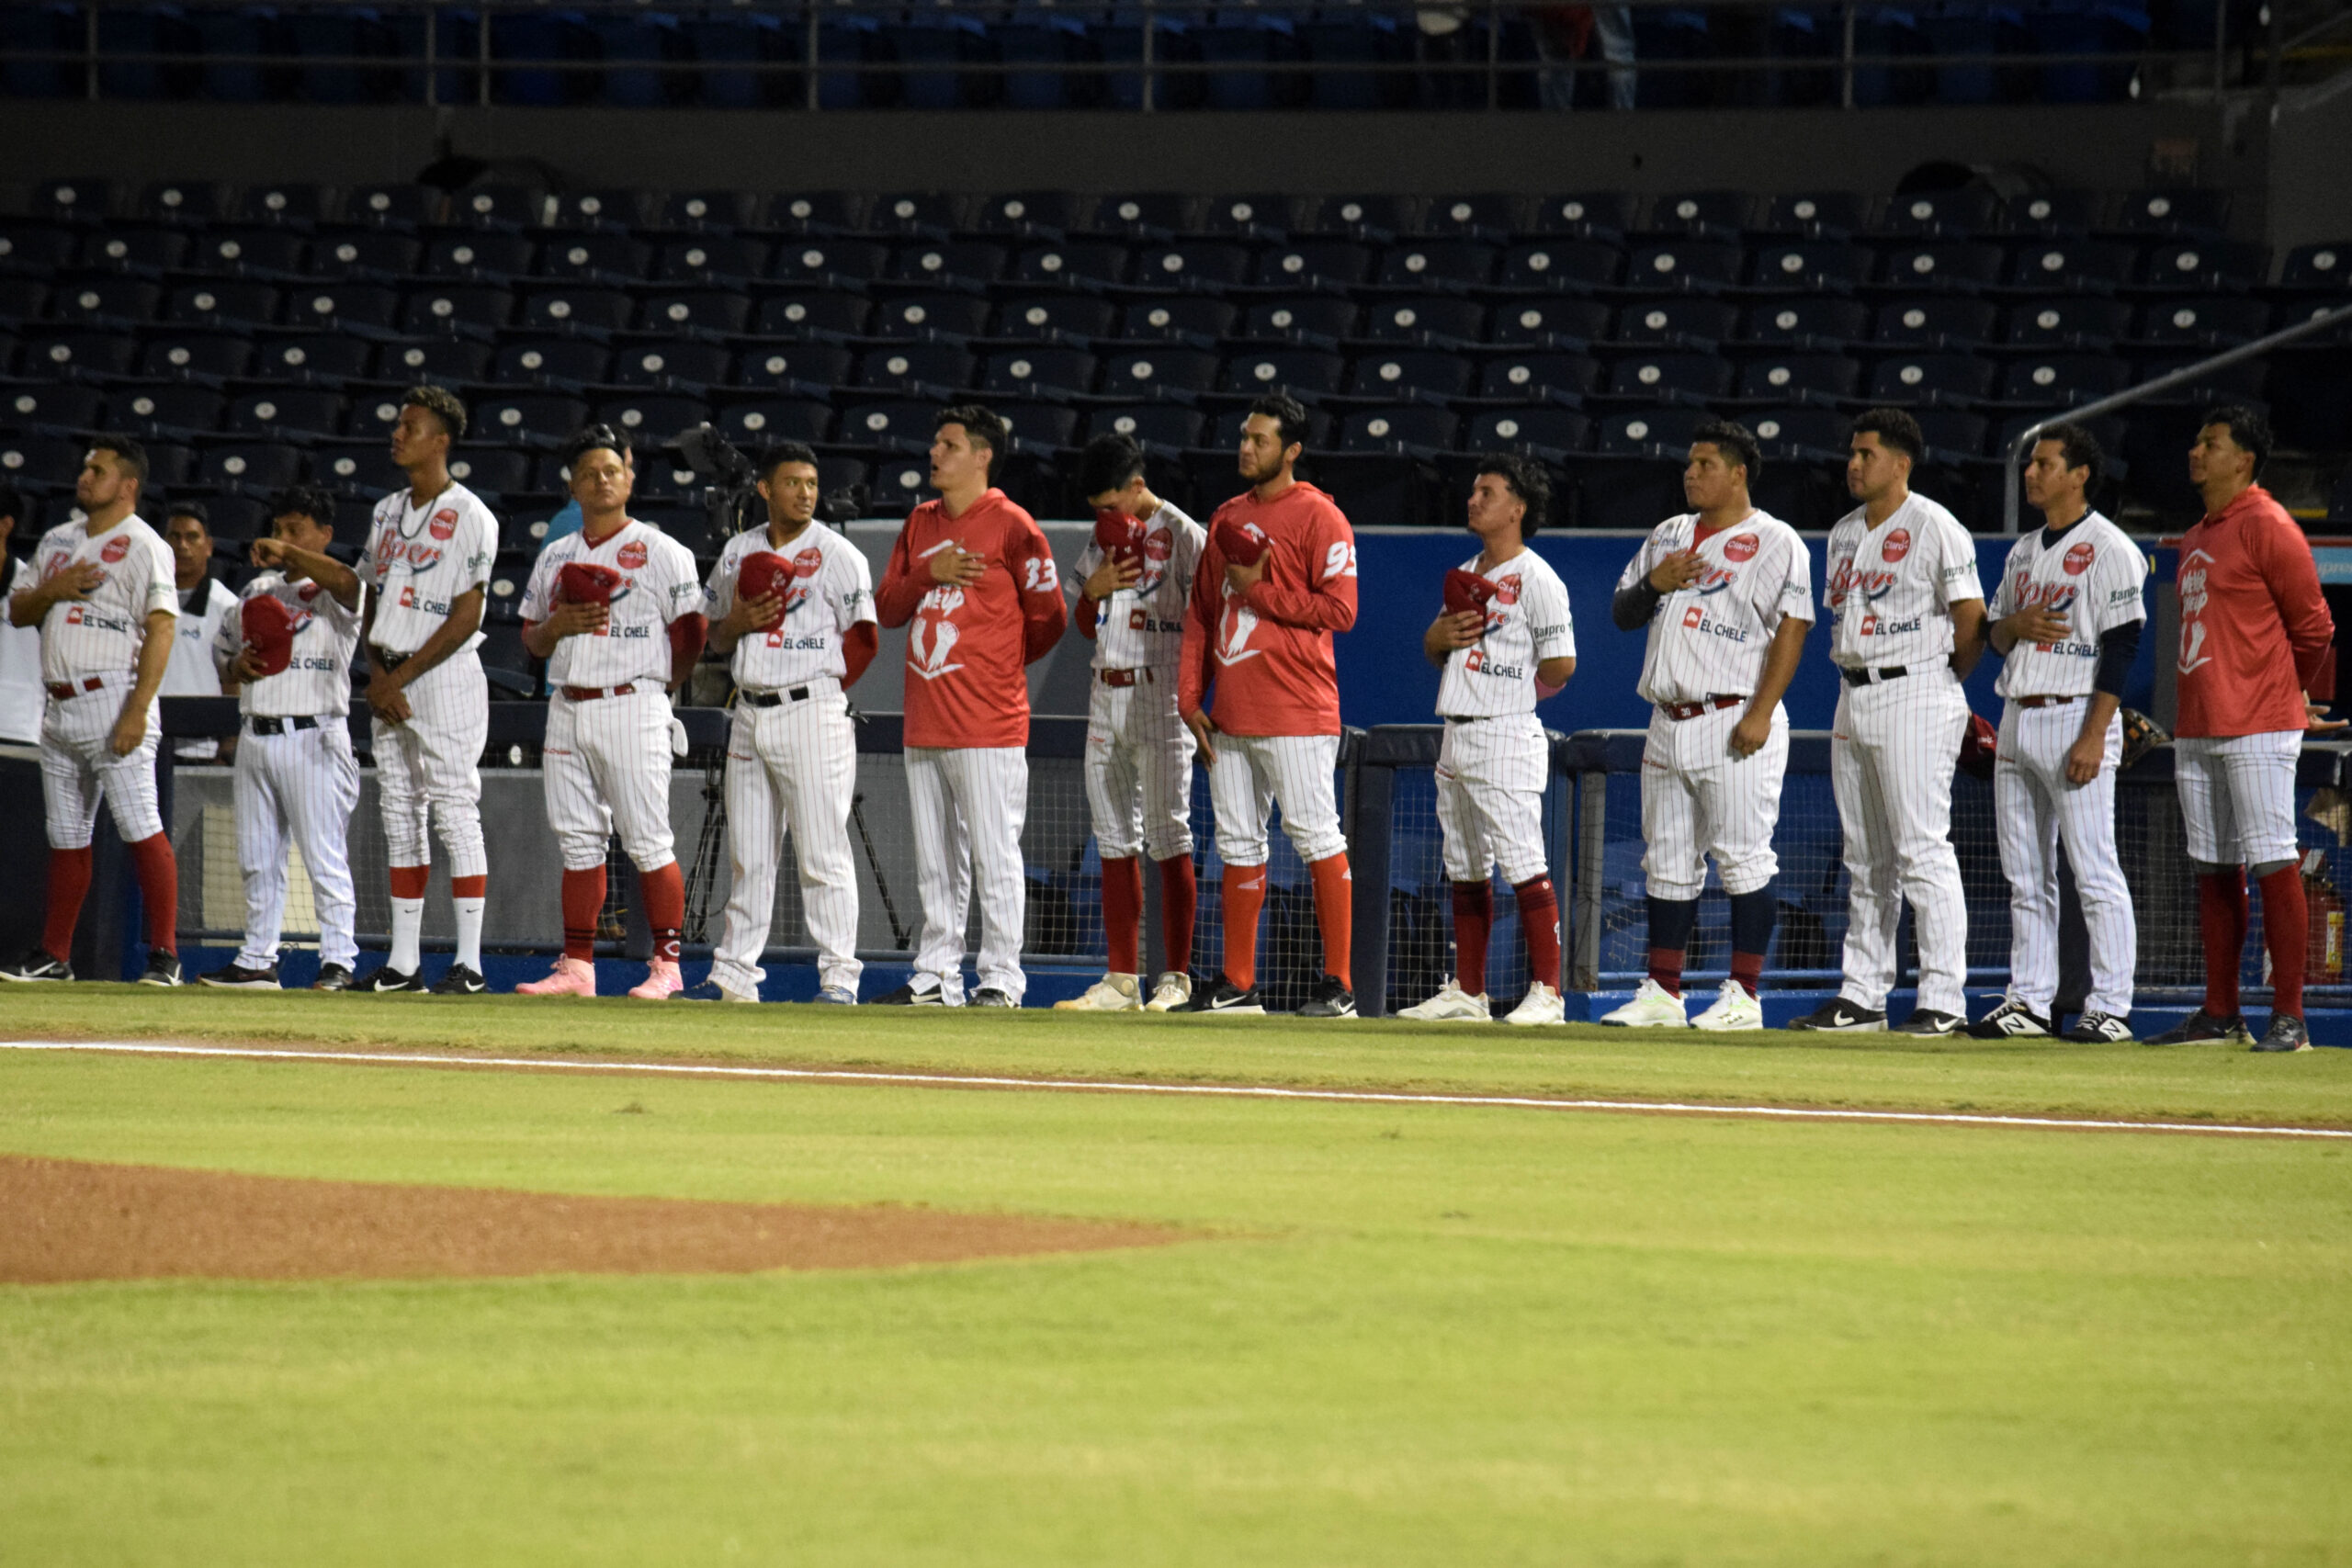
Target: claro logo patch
<point>1897,546</point>
<point>1741,547</point>
<point>2078,560</point>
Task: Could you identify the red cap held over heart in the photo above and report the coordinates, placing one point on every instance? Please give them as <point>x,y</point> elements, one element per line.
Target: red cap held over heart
<point>268,627</point>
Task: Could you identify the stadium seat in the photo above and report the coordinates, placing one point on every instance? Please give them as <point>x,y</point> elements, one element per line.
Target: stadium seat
<point>1941,264</point>
<point>1528,377</point>
<point>1530,428</point>
<point>2078,322</point>
<point>756,424</point>
<point>179,355</point>
<point>38,246</point>
<point>937,261</point>
<point>1415,373</point>
<point>577,308</point>
<point>1643,434</point>
<point>1683,321</point>
<point>1250,217</point>
<point>1065,316</point>
<point>2062,378</point>
<point>1800,377</point>
<point>1318,319</point>
<point>932,213</point>
<point>1683,263</point>
<point>1225,435</point>
<point>288,412</point>
<point>1786,432</point>
<point>1192,317</point>
<point>1024,372</point>
<point>2070,264</point>
<point>701,211</point>
<point>316,356</point>
<point>1160,424</point>
<point>490,471</point>
<point>2203,264</point>
<point>652,421</point>
<point>281,203</point>
<point>373,421</point>
<point>86,351</point>
<point>350,253</point>
<point>1811,264</point>
<point>528,419</point>
<point>1088,262</point>
<point>74,200</point>
<point>1947,214</point>
<point>1952,431</point>
<point>2053,212</point>
<point>23,299</point>
<point>929,315</point>
<point>1380,217</point>
<point>249,250</point>
<point>1675,377</point>
<point>2327,266</point>
<point>125,299</point>
<point>65,406</point>
<point>470,255</point>
<point>1951,322</point>
<point>670,365</point>
<point>702,309</point>
<point>899,486</point>
<point>255,466</point>
<point>1039,426</point>
<point>1487,217</point>
<point>120,247</point>
<point>702,258</point>
<point>810,365</point>
<point>2243,382</point>
<point>1560,264</point>
<point>913,364</point>
<point>223,303</point>
<point>40,462</point>
<point>1605,214</point>
<point>457,310</point>
<point>1425,320</point>
<point>1420,430</point>
<point>816,261</point>
<point>1193,264</point>
<point>790,315</point>
<point>733,49</point>
<point>345,305</point>
<point>609,209</point>
<point>1159,372</point>
<point>1302,372</point>
<point>1931,378</point>
<point>2204,322</point>
<point>1339,263</point>
<point>1548,322</point>
<point>447,362</point>
<point>1046,213</point>
<point>1813,320</point>
<point>1816,215</point>
<point>394,205</point>
<point>2204,213</point>
<point>1719,213</point>
<point>1438,264</point>
<point>1141,214</point>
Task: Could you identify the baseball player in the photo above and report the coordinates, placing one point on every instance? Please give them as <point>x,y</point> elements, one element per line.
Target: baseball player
<point>205,601</point>
<point>1133,578</point>
<point>429,551</point>
<point>2253,632</point>
<point>21,696</point>
<point>617,611</point>
<point>972,579</point>
<point>1277,577</point>
<point>2066,620</point>
<point>1726,592</point>
<point>289,643</point>
<point>1514,644</point>
<point>107,610</point>
<point>794,604</point>
<point>1905,612</point>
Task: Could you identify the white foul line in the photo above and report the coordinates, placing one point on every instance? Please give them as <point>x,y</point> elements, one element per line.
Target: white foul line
<point>1123,1086</point>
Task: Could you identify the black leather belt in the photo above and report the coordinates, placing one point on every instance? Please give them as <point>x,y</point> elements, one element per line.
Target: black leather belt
<point>1862,677</point>
<point>776,699</point>
<point>2045,702</point>
<point>260,723</point>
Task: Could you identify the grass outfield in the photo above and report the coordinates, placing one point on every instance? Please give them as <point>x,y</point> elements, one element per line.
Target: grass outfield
<point>1409,1333</point>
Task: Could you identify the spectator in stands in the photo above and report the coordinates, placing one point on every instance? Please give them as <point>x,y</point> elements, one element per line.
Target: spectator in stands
<point>21,697</point>
<point>203,599</point>
<point>1564,34</point>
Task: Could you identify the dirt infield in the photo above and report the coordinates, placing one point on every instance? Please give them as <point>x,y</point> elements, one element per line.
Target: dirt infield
<point>68,1220</point>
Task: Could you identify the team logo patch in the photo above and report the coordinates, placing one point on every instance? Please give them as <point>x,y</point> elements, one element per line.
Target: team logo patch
<point>1692,617</point>
<point>1741,547</point>
<point>632,556</point>
<point>807,563</point>
<point>116,549</point>
<point>1897,546</point>
<point>2078,560</point>
<point>443,526</point>
<point>1507,590</point>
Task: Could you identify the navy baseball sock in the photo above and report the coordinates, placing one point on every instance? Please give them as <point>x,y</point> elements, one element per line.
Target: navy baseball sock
<point>1751,933</point>
<point>1672,923</point>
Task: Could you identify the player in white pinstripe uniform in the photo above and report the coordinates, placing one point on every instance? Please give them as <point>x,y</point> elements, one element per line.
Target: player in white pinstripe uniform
<point>792,754</point>
<point>427,566</point>
<point>295,779</point>
<point>1727,591</point>
<point>2066,618</point>
<point>204,601</point>
<point>1138,754</point>
<point>106,609</point>
<point>1905,624</point>
<point>617,611</point>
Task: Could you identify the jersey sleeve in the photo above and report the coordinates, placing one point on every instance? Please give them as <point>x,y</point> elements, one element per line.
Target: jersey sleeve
<point>482,545</point>
<point>368,562</point>
<point>539,595</point>
<point>1204,606</point>
<point>1956,579</point>
<point>1549,621</point>
<point>1328,601</point>
<point>2292,575</point>
<point>1184,554</point>
<point>681,594</point>
<point>902,586</point>
<point>718,592</point>
<point>848,588</point>
<point>1793,599</point>
<point>162,590</point>
<point>2121,585</point>
<point>1044,614</point>
<point>1645,561</point>
<point>229,636</point>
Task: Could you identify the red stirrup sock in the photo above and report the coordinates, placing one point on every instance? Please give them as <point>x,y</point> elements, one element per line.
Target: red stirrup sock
<point>1180,895</point>
<point>69,884</point>
<point>2286,932</point>
<point>1335,913</point>
<point>665,908</point>
<point>1539,919</point>
<point>584,905</point>
<point>1245,894</point>
<point>408,881</point>
<point>1473,917</point>
<point>1122,910</point>
<point>159,890</point>
<point>2221,918</point>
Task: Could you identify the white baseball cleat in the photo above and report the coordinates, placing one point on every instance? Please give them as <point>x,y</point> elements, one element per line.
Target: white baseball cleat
<point>1732,1009</point>
<point>1541,1005</point>
<point>1173,992</point>
<point>1653,1007</point>
<point>1451,1005</point>
<point>571,977</point>
<point>1113,993</point>
<point>661,984</point>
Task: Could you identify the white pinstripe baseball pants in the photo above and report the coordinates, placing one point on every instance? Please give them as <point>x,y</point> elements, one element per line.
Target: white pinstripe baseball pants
<point>2034,807</point>
<point>78,767</point>
<point>1253,773</point>
<point>299,786</point>
<point>791,766</point>
<point>606,766</point>
<point>969,804</point>
<point>1138,771</point>
<point>1892,752</point>
<point>428,770</point>
<point>1699,799</point>
<point>1490,778</point>
<point>2237,795</point>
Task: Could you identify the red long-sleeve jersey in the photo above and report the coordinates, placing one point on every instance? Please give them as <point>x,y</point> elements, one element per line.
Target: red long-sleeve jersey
<point>2254,628</point>
<point>1268,652</point>
<point>967,646</point>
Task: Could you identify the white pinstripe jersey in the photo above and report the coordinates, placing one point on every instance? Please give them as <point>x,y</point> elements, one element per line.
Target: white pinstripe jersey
<point>421,559</point>
<point>1527,622</point>
<point>658,585</point>
<point>191,673</point>
<point>101,634</point>
<point>1889,589</point>
<point>317,679</point>
<point>1143,626</point>
<point>2091,574</point>
<point>832,590</point>
<point>1710,640</point>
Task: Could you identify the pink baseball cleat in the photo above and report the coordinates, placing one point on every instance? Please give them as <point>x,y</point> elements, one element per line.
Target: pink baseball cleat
<point>571,977</point>
<point>663,983</point>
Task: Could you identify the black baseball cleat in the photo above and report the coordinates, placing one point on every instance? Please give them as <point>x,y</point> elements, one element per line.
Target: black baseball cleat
<point>37,964</point>
<point>2286,1034</point>
<point>162,969</point>
<point>388,979</point>
<point>2200,1026</point>
<point>460,981</point>
<point>2011,1020</point>
<point>1928,1020</point>
<point>2099,1029</point>
<point>1227,997</point>
<point>237,978</point>
<point>1839,1014</point>
<point>989,997</point>
<point>907,996</point>
<point>331,977</point>
<point>1331,999</point>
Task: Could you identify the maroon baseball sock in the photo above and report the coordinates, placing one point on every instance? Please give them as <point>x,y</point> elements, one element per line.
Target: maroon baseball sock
<point>1122,910</point>
<point>584,905</point>
<point>665,908</point>
<point>69,884</point>
<point>1539,921</point>
<point>159,890</point>
<point>2221,920</point>
<point>2286,932</point>
<point>1244,896</point>
<point>1180,895</point>
<point>1473,917</point>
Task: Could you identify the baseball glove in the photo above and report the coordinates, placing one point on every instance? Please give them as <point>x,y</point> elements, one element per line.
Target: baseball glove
<point>1979,747</point>
<point>1242,544</point>
<point>2142,735</point>
<point>1466,591</point>
<point>585,582</point>
<point>763,572</point>
<point>1120,535</point>
<point>268,628</point>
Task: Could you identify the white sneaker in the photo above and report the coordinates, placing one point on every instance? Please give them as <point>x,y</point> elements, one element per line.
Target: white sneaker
<point>1451,1005</point>
<point>1541,1005</point>
<point>1173,992</point>
<point>1653,1007</point>
<point>1732,1009</point>
<point>1113,993</point>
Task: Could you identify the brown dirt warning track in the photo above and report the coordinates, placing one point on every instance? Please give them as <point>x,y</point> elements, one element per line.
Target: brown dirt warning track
<point>64,1221</point>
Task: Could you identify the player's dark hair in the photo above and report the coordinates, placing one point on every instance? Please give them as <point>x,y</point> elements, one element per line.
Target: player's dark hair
<point>2079,448</point>
<point>1528,480</point>
<point>306,501</point>
<point>1109,462</point>
<point>126,452</point>
<point>982,427</point>
<point>784,452</point>
<point>1287,413</point>
<point>442,404</point>
<point>2246,427</point>
<point>1734,441</point>
<point>591,438</point>
<point>1893,429</point>
<point>195,509</point>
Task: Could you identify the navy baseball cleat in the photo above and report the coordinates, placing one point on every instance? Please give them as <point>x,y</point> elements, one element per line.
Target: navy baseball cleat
<point>1839,1014</point>
<point>1224,997</point>
<point>37,964</point>
<point>2202,1026</point>
<point>2286,1034</point>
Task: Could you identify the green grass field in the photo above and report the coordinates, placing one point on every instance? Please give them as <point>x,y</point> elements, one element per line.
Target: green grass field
<point>1404,1334</point>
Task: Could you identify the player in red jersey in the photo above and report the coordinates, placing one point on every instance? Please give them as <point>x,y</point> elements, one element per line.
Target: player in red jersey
<point>972,580</point>
<point>1260,632</point>
<point>2254,631</point>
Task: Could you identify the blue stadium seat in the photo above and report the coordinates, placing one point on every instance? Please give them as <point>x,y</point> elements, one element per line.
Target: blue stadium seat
<point>123,247</point>
<point>1160,424</point>
<point>2068,322</point>
<point>2325,266</point>
<point>1300,371</point>
<point>670,365</point>
<point>526,419</point>
<point>176,354</point>
<point>1193,264</point>
<point>446,362</point>
<point>71,352</point>
<point>222,301</point>
<point>1340,262</point>
<point>1812,264</point>
<point>2062,378</point>
<point>281,202</point>
<point>915,364</point>
<point>553,362</point>
<point>701,258</point>
<point>454,309</point>
<point>80,198</point>
<point>1670,376</point>
<point>156,411</point>
<point>1357,61</point>
<point>1530,376</point>
<point>612,210</point>
<point>1046,213</point>
<point>1561,264</point>
<point>2201,213</point>
<point>1548,321</point>
<point>1381,218</point>
<point>69,405</point>
<point>492,471</point>
<point>1488,217</point>
<point>315,357</point>
<point>1413,429</point>
<point>1814,215</point>
<point>592,257</point>
<point>108,299</point>
<point>1023,372</point>
<point>1086,262</point>
<point>772,419</point>
<point>1684,264</point>
<point>706,309</point>
<point>1422,373</point>
<point>635,49</point>
<point>347,305</point>
<point>1317,319</point>
<point>816,260</point>
<point>2053,212</point>
<point>388,205</point>
<point>1141,214</point>
<point>1785,431</point>
<point>1944,214</point>
<point>1438,264</point>
<point>353,33</point>
<point>930,314</point>
<point>1224,434</point>
<point>1800,377</point>
<point>808,365</point>
<point>899,486</point>
<point>249,250</point>
<point>702,211</point>
<point>652,421</point>
<point>2203,265</point>
<point>1814,321</point>
<point>2243,382</point>
<point>1068,316</point>
<point>1037,48</point>
<point>26,30</point>
<point>811,212</point>
<point>1605,214</point>
<point>1037,425</point>
<point>1426,320</point>
<point>550,36</point>
<point>373,421</point>
<point>250,466</point>
<point>1950,321</point>
<point>41,463</point>
<point>35,246</point>
<point>288,410</point>
<point>1684,319</point>
<point>1931,378</point>
<point>1722,214</point>
<point>2204,322</point>
<point>1193,316</point>
<point>2064,263</point>
<point>931,214</point>
<point>352,251</point>
<point>1532,427</point>
<point>1639,433</point>
<point>902,424</point>
<point>790,315</point>
<point>942,261</point>
<point>23,299</point>
<point>1952,430</point>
